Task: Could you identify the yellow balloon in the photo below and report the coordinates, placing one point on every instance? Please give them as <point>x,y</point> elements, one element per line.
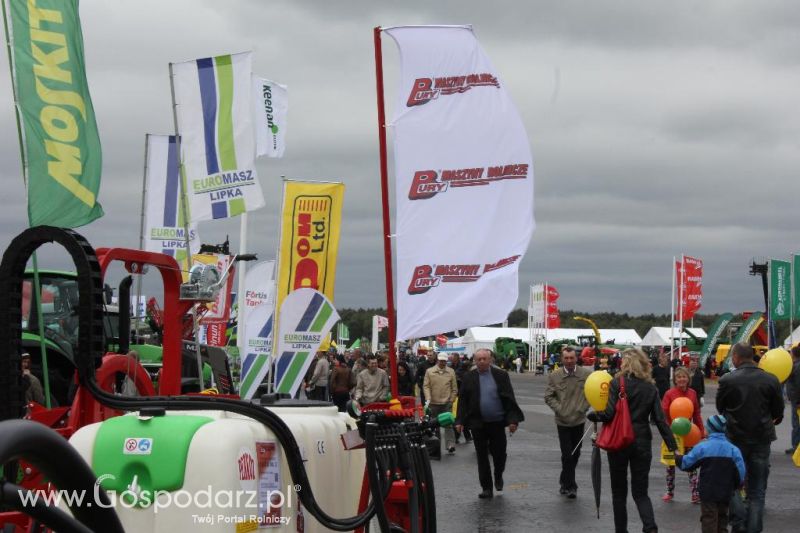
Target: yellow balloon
<point>596,389</point>
<point>777,362</point>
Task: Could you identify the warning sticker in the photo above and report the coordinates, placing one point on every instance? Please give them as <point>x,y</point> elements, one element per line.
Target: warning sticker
<point>137,446</point>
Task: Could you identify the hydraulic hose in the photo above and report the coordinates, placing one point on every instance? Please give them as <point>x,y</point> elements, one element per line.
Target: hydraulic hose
<point>372,473</point>
<point>62,465</point>
<point>52,517</point>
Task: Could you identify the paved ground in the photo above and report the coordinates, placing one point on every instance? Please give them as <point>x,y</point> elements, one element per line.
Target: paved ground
<point>531,502</point>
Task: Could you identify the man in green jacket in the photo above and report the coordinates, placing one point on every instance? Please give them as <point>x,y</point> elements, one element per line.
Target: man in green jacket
<point>564,395</point>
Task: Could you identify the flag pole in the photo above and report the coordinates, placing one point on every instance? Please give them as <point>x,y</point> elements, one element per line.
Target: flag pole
<point>387,244</point>
<point>240,313</point>
<point>275,314</point>
<point>682,282</point>
<point>141,231</point>
<point>672,312</point>
<point>24,162</point>
<point>184,208</point>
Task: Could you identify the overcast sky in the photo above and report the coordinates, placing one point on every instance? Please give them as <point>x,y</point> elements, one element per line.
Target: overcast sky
<point>657,128</point>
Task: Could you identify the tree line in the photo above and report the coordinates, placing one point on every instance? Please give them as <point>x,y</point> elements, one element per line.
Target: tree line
<point>359,321</point>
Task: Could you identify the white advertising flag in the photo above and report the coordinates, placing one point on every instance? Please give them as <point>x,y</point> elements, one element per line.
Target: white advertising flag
<point>214,106</point>
<point>271,107</point>
<point>257,305</point>
<point>464,185</point>
<point>164,228</point>
<point>306,317</point>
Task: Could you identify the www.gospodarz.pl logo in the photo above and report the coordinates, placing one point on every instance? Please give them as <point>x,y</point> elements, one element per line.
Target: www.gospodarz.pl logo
<point>427,89</point>
<point>426,277</point>
<point>428,183</point>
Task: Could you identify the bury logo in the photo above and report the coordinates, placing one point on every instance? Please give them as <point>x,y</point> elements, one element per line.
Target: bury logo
<point>427,89</point>
<point>428,183</point>
<point>426,277</point>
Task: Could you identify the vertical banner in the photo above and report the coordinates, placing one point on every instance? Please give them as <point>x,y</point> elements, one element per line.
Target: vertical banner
<point>779,279</point>
<point>378,323</point>
<point>271,101</point>
<point>553,319</point>
<point>460,147</point>
<point>61,142</point>
<point>306,318</point>
<point>164,218</point>
<point>690,286</point>
<point>712,338</point>
<point>214,106</point>
<point>259,305</point>
<point>310,222</point>
<point>796,285</point>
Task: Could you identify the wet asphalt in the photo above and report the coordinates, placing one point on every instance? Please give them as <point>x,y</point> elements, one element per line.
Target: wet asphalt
<point>531,503</point>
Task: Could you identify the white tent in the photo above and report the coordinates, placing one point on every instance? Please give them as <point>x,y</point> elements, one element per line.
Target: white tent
<point>658,336</point>
<point>484,337</point>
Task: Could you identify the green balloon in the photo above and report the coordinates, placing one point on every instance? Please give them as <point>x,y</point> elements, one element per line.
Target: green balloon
<point>681,426</point>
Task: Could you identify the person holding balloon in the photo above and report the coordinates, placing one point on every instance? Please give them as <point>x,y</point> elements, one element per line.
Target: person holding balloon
<point>682,411</point>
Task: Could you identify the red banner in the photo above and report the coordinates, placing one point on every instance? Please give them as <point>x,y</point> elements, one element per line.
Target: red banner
<point>690,286</point>
<point>215,334</point>
<point>552,293</point>
<point>553,320</point>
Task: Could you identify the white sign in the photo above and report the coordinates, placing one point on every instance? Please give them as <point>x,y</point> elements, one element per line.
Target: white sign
<point>464,178</point>
<point>271,108</point>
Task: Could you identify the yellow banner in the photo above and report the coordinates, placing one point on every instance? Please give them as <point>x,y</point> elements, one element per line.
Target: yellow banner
<point>310,222</point>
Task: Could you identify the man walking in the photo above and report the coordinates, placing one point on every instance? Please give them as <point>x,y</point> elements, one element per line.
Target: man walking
<point>441,389</point>
<point>486,406</point>
<point>372,384</point>
<point>318,384</point>
<point>793,394</point>
<point>422,368</point>
<point>564,395</point>
<point>751,401</point>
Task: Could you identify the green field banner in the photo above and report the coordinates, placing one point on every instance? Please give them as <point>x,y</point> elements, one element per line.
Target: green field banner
<point>796,284</point>
<point>61,144</point>
<point>779,296</point>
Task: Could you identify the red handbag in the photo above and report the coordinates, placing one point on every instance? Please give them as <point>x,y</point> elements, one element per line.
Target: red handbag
<point>618,433</point>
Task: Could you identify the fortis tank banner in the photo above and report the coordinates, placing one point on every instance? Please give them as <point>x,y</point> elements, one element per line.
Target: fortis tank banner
<point>464,184</point>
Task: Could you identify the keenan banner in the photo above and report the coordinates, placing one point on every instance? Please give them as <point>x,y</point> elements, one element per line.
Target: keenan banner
<point>61,141</point>
<point>306,318</point>
<point>271,108</point>
<point>310,222</point>
<point>213,98</point>
<point>164,219</point>
<point>257,307</point>
<point>460,147</point>
<point>779,296</point>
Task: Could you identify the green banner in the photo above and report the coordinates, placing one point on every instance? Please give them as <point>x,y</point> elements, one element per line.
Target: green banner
<point>779,298</point>
<point>714,333</point>
<point>61,142</point>
<point>796,284</point>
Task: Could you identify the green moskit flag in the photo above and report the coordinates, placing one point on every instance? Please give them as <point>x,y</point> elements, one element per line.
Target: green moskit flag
<point>779,303</point>
<point>61,143</point>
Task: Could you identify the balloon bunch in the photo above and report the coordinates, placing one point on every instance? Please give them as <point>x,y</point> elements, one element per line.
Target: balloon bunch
<point>681,411</point>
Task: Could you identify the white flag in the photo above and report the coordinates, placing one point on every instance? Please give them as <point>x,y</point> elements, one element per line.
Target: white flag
<point>464,178</point>
<point>214,103</point>
<point>257,307</point>
<point>271,107</point>
<point>164,228</point>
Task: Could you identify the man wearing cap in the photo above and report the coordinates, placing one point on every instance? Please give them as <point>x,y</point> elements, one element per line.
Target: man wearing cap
<point>33,387</point>
<point>440,388</point>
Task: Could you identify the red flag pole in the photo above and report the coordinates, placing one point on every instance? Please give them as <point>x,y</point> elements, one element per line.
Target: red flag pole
<point>387,243</point>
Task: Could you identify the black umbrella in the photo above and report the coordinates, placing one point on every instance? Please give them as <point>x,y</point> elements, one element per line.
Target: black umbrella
<point>596,464</point>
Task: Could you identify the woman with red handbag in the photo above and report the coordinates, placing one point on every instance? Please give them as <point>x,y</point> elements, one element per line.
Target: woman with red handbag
<point>632,401</point>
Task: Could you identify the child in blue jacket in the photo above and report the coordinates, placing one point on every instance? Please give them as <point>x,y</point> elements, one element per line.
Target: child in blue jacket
<point>721,472</point>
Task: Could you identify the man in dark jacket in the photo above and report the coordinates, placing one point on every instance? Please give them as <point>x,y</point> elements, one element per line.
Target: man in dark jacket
<point>751,401</point>
<point>793,394</point>
<point>423,367</point>
<point>486,405</point>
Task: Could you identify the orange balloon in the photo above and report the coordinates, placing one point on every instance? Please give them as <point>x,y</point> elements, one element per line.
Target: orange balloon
<point>681,407</point>
<point>693,437</point>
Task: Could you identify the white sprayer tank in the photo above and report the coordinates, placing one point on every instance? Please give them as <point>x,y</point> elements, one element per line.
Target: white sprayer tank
<point>214,471</point>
